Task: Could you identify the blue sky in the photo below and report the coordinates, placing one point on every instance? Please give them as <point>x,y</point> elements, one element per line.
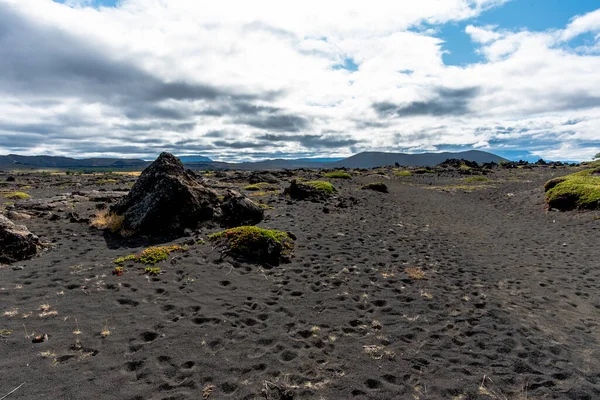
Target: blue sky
<point>516,15</point>
<point>244,80</point>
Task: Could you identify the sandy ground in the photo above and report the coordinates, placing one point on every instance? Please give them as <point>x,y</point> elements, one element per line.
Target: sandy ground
<point>507,308</point>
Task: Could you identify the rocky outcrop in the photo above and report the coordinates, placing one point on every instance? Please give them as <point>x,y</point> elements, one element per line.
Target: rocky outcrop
<point>16,242</point>
<point>238,210</point>
<point>166,199</point>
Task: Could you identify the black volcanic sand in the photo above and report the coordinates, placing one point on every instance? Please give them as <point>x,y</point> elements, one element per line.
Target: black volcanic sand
<point>510,299</point>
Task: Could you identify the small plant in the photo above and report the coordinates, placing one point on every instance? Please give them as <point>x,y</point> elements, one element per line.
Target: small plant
<point>15,195</point>
<point>118,271</point>
<point>5,332</point>
<point>200,241</point>
<point>414,273</point>
<point>152,271</point>
<point>151,255</point>
<point>108,220</point>
<point>105,331</point>
<point>76,331</point>
<point>321,185</point>
<point>337,175</point>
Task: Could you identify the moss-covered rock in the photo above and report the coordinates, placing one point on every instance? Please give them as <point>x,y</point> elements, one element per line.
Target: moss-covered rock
<point>580,190</point>
<point>311,190</point>
<point>337,175</point>
<point>256,244</point>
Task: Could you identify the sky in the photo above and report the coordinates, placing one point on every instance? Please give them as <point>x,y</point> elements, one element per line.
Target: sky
<point>249,80</point>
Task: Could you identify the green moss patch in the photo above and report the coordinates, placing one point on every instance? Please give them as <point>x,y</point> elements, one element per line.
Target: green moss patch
<point>151,255</point>
<point>261,186</point>
<point>337,175</point>
<point>321,185</point>
<point>255,244</point>
<point>15,195</point>
<point>580,190</point>
<point>403,173</point>
<point>477,179</point>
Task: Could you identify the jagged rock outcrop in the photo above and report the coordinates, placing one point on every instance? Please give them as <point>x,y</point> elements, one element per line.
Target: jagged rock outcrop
<point>166,199</point>
<point>16,242</point>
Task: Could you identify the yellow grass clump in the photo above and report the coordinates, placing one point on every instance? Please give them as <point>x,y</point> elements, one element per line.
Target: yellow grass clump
<point>107,220</point>
<point>415,273</point>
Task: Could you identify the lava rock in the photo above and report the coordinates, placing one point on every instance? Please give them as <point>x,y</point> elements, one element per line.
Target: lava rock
<point>376,186</point>
<point>166,199</point>
<point>262,176</point>
<point>16,242</point>
<point>238,210</point>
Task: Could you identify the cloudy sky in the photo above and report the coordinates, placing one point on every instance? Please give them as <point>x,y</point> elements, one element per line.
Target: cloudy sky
<point>243,80</point>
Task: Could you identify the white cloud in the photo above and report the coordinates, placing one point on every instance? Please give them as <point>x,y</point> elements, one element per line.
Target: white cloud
<point>179,75</point>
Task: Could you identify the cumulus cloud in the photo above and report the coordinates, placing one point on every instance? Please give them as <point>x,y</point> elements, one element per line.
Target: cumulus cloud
<point>243,80</point>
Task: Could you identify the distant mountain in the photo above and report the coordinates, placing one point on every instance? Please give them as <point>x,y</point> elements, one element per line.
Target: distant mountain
<point>15,161</point>
<point>191,159</point>
<point>379,159</point>
<point>361,160</point>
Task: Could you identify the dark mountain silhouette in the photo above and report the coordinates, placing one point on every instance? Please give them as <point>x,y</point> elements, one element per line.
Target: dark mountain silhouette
<point>361,160</point>
<point>379,159</point>
<point>16,161</point>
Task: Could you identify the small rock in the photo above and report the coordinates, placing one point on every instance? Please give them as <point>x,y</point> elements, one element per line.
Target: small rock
<point>40,338</point>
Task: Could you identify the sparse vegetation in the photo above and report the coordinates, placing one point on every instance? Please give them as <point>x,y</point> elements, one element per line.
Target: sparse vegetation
<point>107,181</point>
<point>580,190</point>
<point>337,175</point>
<point>261,186</point>
<point>15,195</point>
<point>152,271</point>
<point>105,331</point>
<point>263,193</point>
<point>118,271</point>
<point>107,220</point>
<point>403,173</point>
<point>256,244</point>
<point>151,255</point>
<point>321,185</point>
<point>414,273</point>
<point>476,179</point>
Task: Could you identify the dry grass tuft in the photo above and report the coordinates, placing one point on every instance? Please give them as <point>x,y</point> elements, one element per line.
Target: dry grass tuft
<point>107,220</point>
<point>414,273</point>
<point>13,312</point>
<point>207,391</point>
<point>105,332</point>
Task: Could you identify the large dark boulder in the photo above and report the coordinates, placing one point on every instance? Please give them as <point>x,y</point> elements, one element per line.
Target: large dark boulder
<point>166,199</point>
<point>262,176</point>
<point>238,210</point>
<point>16,242</point>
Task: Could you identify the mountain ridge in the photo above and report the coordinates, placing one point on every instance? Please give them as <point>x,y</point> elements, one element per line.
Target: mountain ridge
<point>359,160</point>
